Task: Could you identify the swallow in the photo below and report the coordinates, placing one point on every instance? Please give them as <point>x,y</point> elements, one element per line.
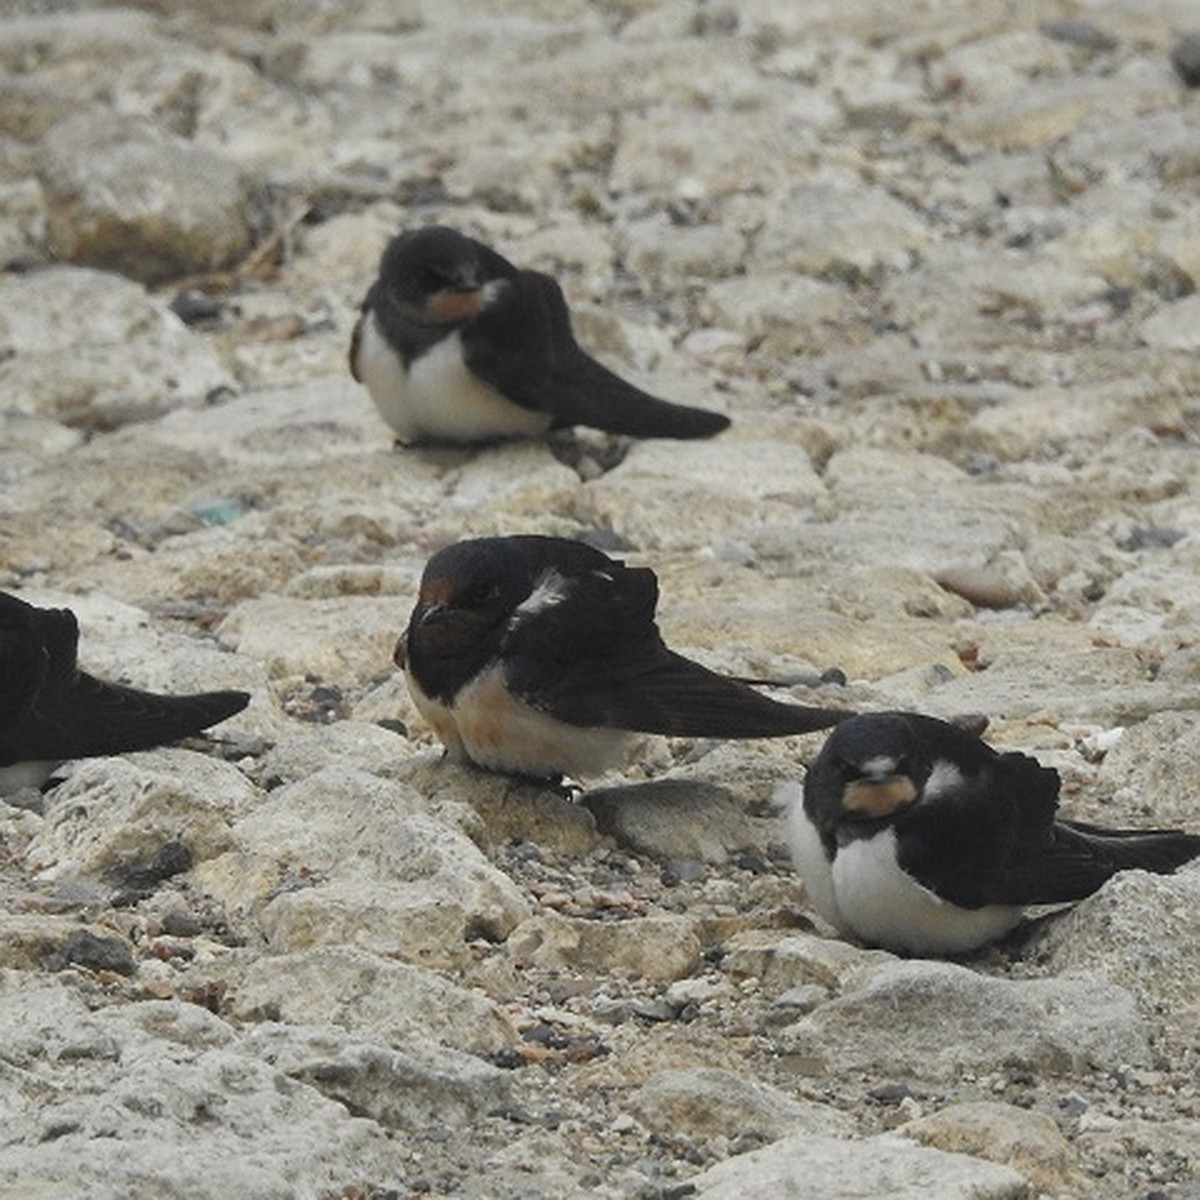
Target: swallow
<point>915,835</point>
<point>455,344</point>
<point>51,711</point>
<point>540,657</point>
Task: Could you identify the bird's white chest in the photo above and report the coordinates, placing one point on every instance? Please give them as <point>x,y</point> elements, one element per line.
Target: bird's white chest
<point>882,905</point>
<point>437,398</point>
<point>492,728</point>
<point>808,854</point>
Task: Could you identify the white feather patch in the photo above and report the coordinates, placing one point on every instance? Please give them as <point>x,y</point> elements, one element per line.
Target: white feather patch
<point>550,588</point>
<point>438,398</point>
<point>944,777</point>
<point>808,854</point>
<point>882,905</point>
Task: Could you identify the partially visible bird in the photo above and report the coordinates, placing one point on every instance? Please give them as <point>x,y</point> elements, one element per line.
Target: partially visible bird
<point>455,344</point>
<point>540,656</point>
<point>913,834</point>
<point>51,711</point>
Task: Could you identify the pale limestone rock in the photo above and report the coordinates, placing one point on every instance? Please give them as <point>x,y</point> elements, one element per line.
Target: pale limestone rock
<point>955,1020</point>
<point>118,810</point>
<point>1028,1142</point>
<point>123,197</point>
<point>131,360</point>
<point>708,1101</point>
<point>811,1167</point>
<point>657,948</point>
<point>364,994</point>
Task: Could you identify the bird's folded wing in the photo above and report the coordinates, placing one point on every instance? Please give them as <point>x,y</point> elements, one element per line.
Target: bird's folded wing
<point>88,717</point>
<point>509,345</point>
<point>595,658</point>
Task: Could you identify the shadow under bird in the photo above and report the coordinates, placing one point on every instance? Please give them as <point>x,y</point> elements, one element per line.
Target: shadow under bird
<point>51,711</point>
<point>540,656</point>
<point>915,835</point>
<point>455,344</point>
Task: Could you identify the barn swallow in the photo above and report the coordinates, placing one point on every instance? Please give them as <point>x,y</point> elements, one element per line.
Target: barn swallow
<point>51,711</point>
<point>540,656</point>
<point>915,835</point>
<point>455,344</point>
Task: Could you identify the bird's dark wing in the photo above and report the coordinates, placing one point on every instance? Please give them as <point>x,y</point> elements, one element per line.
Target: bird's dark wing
<point>996,840</point>
<point>85,716</point>
<point>988,840</point>
<point>1098,853</point>
<point>522,344</point>
<point>24,656</point>
<point>587,393</point>
<point>595,658</point>
<point>509,344</point>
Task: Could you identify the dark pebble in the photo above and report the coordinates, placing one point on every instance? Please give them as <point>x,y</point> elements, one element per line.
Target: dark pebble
<point>141,878</point>
<point>507,1060</point>
<point>178,922</point>
<point>1078,33</point>
<point>890,1093</point>
<point>748,860</point>
<point>86,949</point>
<point>682,870</point>
<point>654,1010</point>
<point>1150,537</point>
<point>196,308</point>
<point>1185,58</point>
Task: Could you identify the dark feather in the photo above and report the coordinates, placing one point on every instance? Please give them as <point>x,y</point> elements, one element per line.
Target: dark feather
<point>596,658</point>
<point>998,840</point>
<point>53,711</point>
<point>91,717</point>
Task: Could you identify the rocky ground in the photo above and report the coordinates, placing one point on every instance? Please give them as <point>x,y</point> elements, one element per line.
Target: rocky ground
<point>938,261</point>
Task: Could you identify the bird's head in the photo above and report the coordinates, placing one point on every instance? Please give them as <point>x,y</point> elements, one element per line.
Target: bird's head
<point>468,592</point>
<point>870,768</point>
<point>433,276</point>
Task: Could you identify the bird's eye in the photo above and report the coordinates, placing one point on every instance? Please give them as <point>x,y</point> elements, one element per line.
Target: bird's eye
<point>430,280</point>
<point>480,596</point>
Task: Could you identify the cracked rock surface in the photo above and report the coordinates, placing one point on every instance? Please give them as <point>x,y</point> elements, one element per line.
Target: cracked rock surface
<point>938,262</point>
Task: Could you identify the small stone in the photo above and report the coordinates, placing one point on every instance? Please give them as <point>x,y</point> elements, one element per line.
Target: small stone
<point>1077,32</point>
<point>655,948</point>
<point>86,949</point>
<point>797,1001</point>
<point>407,1087</point>
<point>1185,58</point>
<point>673,820</point>
<point>140,878</point>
